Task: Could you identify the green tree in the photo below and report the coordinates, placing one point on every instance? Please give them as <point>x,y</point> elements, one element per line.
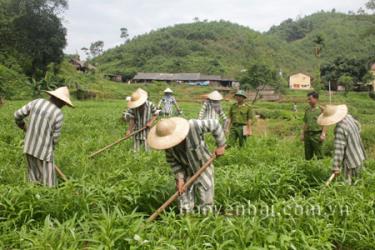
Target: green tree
<point>368,78</point>
<point>124,34</point>
<point>257,77</point>
<point>319,44</point>
<point>96,48</point>
<point>86,51</point>
<point>356,68</point>
<point>33,34</point>
<point>370,5</point>
<point>347,82</point>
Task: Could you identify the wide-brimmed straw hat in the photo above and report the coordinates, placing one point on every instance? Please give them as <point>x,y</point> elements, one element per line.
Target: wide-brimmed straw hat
<point>168,133</point>
<point>137,98</point>
<point>62,94</point>
<point>241,93</point>
<point>215,96</point>
<point>332,114</point>
<point>168,90</point>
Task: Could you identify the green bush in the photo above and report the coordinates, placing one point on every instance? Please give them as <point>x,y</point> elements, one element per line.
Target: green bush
<point>368,136</point>
<point>13,84</point>
<point>274,114</point>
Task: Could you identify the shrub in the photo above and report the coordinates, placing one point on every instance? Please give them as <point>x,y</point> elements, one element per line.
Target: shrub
<point>274,114</point>
<point>82,94</point>
<point>12,84</point>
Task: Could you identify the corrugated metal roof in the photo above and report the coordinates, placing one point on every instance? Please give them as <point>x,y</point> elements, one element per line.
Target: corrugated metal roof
<point>187,77</point>
<point>210,77</point>
<point>176,77</point>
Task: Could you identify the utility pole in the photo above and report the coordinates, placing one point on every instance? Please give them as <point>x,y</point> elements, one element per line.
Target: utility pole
<point>330,93</point>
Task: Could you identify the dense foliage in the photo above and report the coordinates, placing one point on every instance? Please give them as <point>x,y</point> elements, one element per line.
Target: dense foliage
<point>221,47</point>
<point>357,69</point>
<point>217,47</point>
<point>258,76</point>
<point>31,35</point>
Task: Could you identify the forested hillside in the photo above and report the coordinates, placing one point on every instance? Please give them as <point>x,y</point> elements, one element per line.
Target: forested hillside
<point>211,47</point>
<point>222,47</point>
<point>344,35</point>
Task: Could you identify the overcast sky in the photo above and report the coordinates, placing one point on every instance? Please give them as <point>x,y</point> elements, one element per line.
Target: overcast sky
<point>91,20</point>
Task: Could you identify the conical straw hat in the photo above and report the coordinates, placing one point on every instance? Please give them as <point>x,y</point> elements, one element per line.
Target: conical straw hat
<point>168,90</point>
<point>215,96</point>
<point>168,133</point>
<point>137,98</point>
<point>332,114</point>
<point>62,94</point>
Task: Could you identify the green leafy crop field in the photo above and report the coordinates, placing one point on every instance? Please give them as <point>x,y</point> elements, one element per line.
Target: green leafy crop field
<point>266,195</point>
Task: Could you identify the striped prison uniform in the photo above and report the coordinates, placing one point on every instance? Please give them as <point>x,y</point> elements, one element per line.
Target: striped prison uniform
<point>141,116</point>
<point>167,103</point>
<point>212,110</point>
<point>349,151</point>
<point>187,157</point>
<point>42,134</point>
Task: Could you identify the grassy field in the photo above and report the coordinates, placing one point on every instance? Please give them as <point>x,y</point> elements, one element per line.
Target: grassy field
<point>267,196</point>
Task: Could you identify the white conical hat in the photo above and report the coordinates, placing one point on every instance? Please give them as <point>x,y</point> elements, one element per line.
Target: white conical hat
<point>332,114</point>
<point>168,90</point>
<point>215,96</point>
<point>137,98</point>
<point>62,94</point>
<point>168,133</point>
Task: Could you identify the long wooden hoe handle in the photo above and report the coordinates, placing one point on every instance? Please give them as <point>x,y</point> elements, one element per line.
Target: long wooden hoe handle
<point>116,142</point>
<point>330,179</point>
<point>59,172</point>
<point>186,186</point>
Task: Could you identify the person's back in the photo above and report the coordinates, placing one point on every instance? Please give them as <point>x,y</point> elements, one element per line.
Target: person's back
<point>44,128</point>
<point>42,133</point>
<point>347,132</point>
<point>167,101</point>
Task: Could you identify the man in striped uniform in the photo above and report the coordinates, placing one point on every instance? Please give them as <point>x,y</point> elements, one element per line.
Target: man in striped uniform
<point>186,151</point>
<point>212,109</point>
<point>42,134</point>
<point>168,101</point>
<point>349,152</point>
<point>141,114</point>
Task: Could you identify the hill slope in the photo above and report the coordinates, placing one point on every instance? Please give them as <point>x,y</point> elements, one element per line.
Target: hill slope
<point>208,47</point>
<point>344,35</point>
<point>221,47</point>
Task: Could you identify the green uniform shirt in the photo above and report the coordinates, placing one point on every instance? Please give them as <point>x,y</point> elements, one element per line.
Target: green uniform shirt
<point>311,117</point>
<point>240,114</point>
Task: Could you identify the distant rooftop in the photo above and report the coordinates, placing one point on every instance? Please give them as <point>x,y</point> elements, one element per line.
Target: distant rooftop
<point>177,77</point>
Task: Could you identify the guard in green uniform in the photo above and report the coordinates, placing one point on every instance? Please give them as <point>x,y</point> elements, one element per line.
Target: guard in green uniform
<point>239,120</point>
<point>313,134</point>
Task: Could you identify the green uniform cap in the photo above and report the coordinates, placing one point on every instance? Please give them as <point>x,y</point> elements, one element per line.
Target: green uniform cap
<point>241,93</point>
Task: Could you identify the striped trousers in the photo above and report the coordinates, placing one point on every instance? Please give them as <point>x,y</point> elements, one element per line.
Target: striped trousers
<point>42,172</point>
<point>186,201</point>
<point>140,144</point>
<point>349,173</point>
